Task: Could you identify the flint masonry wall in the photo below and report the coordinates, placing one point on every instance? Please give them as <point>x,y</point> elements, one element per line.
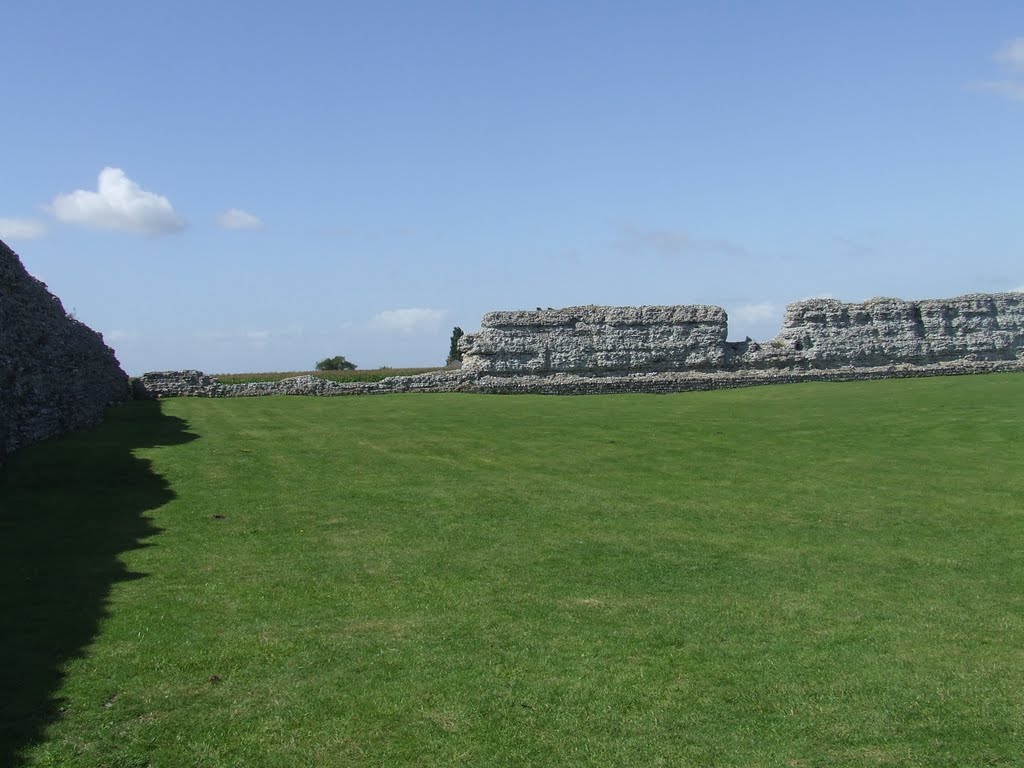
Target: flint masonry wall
<point>823,333</point>
<point>56,374</point>
<point>598,339</point>
<point>156,384</point>
<point>816,334</point>
<point>591,350</point>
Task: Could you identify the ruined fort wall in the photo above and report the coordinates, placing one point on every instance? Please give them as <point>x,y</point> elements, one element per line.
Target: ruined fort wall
<point>824,333</point>
<point>195,384</point>
<point>816,334</point>
<point>56,374</point>
<point>598,339</point>
<point>591,350</point>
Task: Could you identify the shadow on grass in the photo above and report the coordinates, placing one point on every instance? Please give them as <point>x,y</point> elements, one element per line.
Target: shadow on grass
<point>68,508</point>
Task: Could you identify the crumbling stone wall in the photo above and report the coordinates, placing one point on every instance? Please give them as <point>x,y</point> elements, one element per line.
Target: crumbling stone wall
<point>592,350</point>
<point>823,333</point>
<point>597,339</point>
<point>157,384</point>
<point>56,374</point>
<point>816,334</point>
<point>196,384</point>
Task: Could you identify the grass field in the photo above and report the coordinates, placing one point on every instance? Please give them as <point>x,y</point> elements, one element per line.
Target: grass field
<point>803,575</point>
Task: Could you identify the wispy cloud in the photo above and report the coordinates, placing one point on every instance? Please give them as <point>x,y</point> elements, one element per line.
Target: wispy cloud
<point>409,321</point>
<point>21,229</point>
<point>855,247</point>
<point>1011,57</point>
<point>1012,54</point>
<point>1009,89</point>
<point>235,334</point>
<point>670,242</point>
<point>820,295</point>
<point>758,319</point>
<point>236,218</point>
<point>119,335</point>
<point>673,243</point>
<point>251,338</point>
<point>751,314</point>
<point>118,204</point>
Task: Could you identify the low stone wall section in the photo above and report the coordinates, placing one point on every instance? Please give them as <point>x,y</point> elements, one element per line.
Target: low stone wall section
<point>157,384</point>
<point>197,384</point>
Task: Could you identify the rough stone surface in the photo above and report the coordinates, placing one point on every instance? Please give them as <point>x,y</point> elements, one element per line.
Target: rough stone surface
<point>823,333</point>
<point>158,384</point>
<point>665,382</point>
<point>597,339</point>
<point>593,350</point>
<point>56,374</point>
<point>171,384</point>
<point>819,333</point>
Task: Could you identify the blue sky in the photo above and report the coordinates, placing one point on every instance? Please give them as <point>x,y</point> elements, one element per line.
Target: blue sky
<point>243,186</point>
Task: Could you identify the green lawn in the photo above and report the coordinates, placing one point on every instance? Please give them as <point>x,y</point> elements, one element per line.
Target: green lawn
<point>803,575</point>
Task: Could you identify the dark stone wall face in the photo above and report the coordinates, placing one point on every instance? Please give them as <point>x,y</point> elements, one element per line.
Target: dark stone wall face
<point>56,374</point>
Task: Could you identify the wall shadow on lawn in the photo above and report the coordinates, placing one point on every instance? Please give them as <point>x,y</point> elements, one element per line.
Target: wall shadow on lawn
<point>68,508</point>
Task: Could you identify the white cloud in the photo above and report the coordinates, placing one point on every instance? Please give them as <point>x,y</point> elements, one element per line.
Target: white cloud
<point>822,295</point>
<point>667,241</point>
<point>252,338</point>
<point>750,314</point>
<point>236,218</point>
<point>234,335</point>
<point>855,248</point>
<point>120,204</point>
<point>758,320</point>
<point>21,229</point>
<point>117,335</point>
<point>409,321</point>
<point>674,242</point>
<point>1012,54</point>
<point>1010,89</point>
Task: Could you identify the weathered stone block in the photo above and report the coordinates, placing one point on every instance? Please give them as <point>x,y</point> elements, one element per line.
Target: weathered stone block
<point>592,338</point>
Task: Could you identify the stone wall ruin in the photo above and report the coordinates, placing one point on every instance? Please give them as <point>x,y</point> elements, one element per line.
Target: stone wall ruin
<point>592,350</point>
<point>56,374</point>
<point>816,334</point>
<point>598,339</point>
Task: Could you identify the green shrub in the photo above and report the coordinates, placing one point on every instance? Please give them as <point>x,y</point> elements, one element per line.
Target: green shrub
<point>337,363</point>
<point>454,356</point>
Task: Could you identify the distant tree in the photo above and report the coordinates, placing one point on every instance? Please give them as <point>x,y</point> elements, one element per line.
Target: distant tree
<point>454,356</point>
<point>338,363</point>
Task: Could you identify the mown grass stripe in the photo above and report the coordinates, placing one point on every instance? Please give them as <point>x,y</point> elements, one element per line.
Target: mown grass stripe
<point>816,574</point>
